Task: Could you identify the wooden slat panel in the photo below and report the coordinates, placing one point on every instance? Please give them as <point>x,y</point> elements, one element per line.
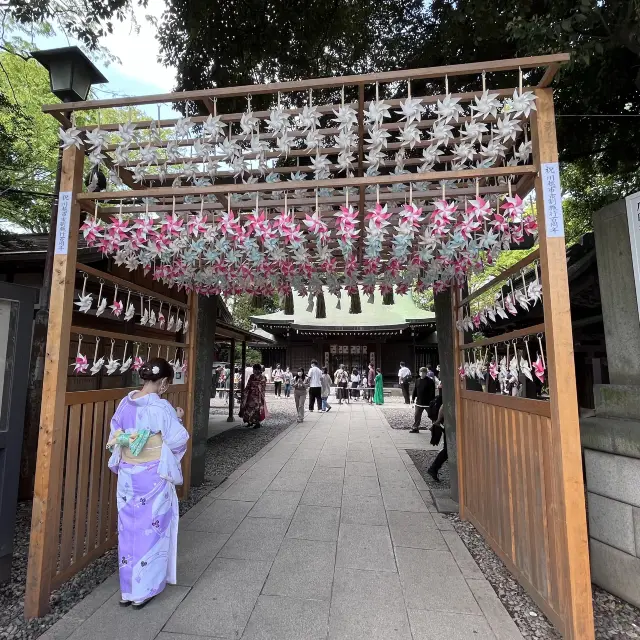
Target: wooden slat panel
<point>97,449</point>
<point>105,483</point>
<point>84,465</point>
<point>70,484</point>
<point>526,405</point>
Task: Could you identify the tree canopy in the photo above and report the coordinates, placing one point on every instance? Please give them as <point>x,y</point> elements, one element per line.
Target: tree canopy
<point>597,95</point>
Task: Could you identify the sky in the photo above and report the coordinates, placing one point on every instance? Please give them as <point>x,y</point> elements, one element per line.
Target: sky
<point>138,72</point>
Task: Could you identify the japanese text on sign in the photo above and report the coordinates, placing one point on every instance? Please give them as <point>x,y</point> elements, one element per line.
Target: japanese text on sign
<point>62,226</point>
<point>554,221</point>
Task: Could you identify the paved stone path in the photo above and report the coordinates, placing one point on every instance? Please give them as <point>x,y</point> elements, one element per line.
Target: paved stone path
<point>329,533</point>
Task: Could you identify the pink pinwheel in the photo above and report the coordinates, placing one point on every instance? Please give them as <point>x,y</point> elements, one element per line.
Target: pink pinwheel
<point>283,222</point>
<point>228,224</point>
<point>137,363</point>
<point>118,229</point>
<point>81,363</point>
<point>385,288</point>
<point>370,266</point>
<point>462,372</point>
<point>256,220</point>
<point>330,265</point>
<point>539,368</point>
<point>530,224</point>
<point>197,224</point>
<point>499,223</point>
<point>467,226</point>
<point>476,321</point>
<point>315,224</point>
<point>293,235</point>
<point>439,286</point>
<point>480,209</point>
<point>514,207</point>
<point>444,212</point>
<point>378,215</point>
<point>493,369</point>
<point>509,306</point>
<point>411,215</point>
<point>92,229</point>
<point>116,308</point>
<point>143,227</point>
<point>172,225</point>
<point>402,288</point>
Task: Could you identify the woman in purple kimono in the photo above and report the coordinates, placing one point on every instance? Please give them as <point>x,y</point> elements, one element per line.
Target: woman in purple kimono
<point>147,442</point>
<point>253,408</point>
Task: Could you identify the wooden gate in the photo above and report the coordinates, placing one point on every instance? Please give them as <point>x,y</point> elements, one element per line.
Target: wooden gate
<point>519,459</point>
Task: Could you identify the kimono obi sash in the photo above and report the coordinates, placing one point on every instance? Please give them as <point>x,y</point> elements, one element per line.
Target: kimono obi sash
<point>150,452</point>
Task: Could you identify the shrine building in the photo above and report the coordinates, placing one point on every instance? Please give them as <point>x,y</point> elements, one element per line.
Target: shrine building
<point>382,334</point>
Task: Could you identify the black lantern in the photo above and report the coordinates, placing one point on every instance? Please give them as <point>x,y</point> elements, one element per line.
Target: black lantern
<point>71,73</point>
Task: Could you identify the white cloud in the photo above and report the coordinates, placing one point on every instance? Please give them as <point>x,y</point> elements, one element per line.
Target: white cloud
<point>138,51</point>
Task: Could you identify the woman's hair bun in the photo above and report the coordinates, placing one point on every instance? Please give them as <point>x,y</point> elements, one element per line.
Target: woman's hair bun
<point>156,369</point>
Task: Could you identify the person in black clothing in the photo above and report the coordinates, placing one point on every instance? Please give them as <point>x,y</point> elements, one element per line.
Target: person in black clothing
<point>443,456</point>
<point>424,392</point>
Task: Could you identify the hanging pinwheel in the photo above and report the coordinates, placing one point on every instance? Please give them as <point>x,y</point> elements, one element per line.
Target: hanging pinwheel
<point>113,364</point>
<point>81,363</point>
<point>98,363</point>
<point>85,300</point>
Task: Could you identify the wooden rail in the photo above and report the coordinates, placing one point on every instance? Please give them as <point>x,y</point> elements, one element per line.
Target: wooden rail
<point>505,337</point>
<point>87,331</point>
<point>125,284</point>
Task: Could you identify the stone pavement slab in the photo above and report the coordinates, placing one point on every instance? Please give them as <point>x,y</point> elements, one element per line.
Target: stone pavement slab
<point>328,533</point>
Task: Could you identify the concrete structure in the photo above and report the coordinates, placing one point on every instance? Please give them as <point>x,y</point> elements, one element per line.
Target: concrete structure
<point>611,438</point>
<point>328,533</point>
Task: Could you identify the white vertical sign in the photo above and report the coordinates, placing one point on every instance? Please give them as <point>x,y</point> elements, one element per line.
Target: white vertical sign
<point>62,225</point>
<point>554,222</point>
<point>633,220</point>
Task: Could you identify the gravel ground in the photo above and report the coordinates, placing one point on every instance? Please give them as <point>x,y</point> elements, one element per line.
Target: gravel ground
<point>614,618</point>
<point>225,453</point>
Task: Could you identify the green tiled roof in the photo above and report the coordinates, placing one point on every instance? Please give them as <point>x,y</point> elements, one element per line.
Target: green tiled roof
<point>402,312</point>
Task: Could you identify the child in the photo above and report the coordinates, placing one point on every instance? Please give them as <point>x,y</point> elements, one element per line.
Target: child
<point>325,385</point>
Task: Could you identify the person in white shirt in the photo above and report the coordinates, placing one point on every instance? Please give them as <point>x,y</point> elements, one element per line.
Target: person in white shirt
<point>404,378</point>
<point>355,383</point>
<point>315,385</point>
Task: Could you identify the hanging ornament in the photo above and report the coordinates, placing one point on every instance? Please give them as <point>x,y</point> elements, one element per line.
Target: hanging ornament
<point>525,365</point>
<point>117,306</point>
<point>535,288</point>
<point>172,321</point>
<point>493,367</point>
<point>152,315</point>
<point>137,360</point>
<point>84,299</point>
<point>179,324</point>
<point>144,314</point>
<point>97,363</point>
<point>521,295</point>
<point>161,319</point>
<point>539,365</point>
<point>126,362</point>
<point>131,310</point>
<point>102,302</point>
<point>185,326</point>
<point>81,363</point>
<point>113,364</point>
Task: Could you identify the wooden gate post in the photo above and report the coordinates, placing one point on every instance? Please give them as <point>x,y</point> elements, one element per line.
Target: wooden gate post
<point>566,451</point>
<point>43,548</point>
<point>189,407</point>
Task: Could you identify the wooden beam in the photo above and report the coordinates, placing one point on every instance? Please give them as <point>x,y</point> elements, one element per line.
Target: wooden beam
<point>125,284</point>
<point>548,76</point>
<point>87,331</point>
<point>504,337</point>
<point>336,183</point>
<point>567,453</point>
<point>45,518</point>
<point>473,68</point>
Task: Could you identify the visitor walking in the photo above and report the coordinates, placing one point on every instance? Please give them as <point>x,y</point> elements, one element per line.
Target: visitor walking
<point>378,396</point>
<point>300,384</point>
<point>443,455</point>
<point>424,392</point>
<point>278,377</point>
<point>287,379</point>
<point>147,442</point>
<point>341,380</point>
<point>371,381</point>
<point>315,385</point>
<point>325,389</point>
<point>355,384</point>
<point>404,378</point>
<point>253,408</point>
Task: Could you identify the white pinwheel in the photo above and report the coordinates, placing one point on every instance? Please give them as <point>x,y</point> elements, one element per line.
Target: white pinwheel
<point>84,302</point>
<point>506,128</point>
<point>378,138</point>
<point>213,127</point>
<point>112,366</point>
<point>97,366</point>
<point>284,143</point>
<point>345,161</point>
<point>524,151</point>
<point>96,157</point>
<point>173,151</point>
<point>278,120</point>
<point>534,292</point>
<point>127,132</point>
<point>346,140</point>
<point>249,124</point>
<point>493,150</point>
<point>431,153</point>
<point>377,111</point>
<point>70,138</point>
<point>473,131</point>
<point>411,109</point>
<point>441,133</point>
<point>346,117</point>
<point>121,155</point>
<point>115,179</point>
<point>313,139</point>
<point>126,365</point>
<point>130,312</point>
<point>321,166</point>
<point>182,127</point>
<point>102,305</point>
<point>463,152</point>
<point>230,149</point>
<point>374,158</point>
<point>449,109</point>
<point>520,104</point>
<point>409,135</point>
<point>486,105</point>
<point>97,138</point>
<point>309,118</point>
<point>148,154</point>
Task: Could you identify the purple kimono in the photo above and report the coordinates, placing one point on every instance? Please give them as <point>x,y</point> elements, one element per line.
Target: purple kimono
<point>147,501</point>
